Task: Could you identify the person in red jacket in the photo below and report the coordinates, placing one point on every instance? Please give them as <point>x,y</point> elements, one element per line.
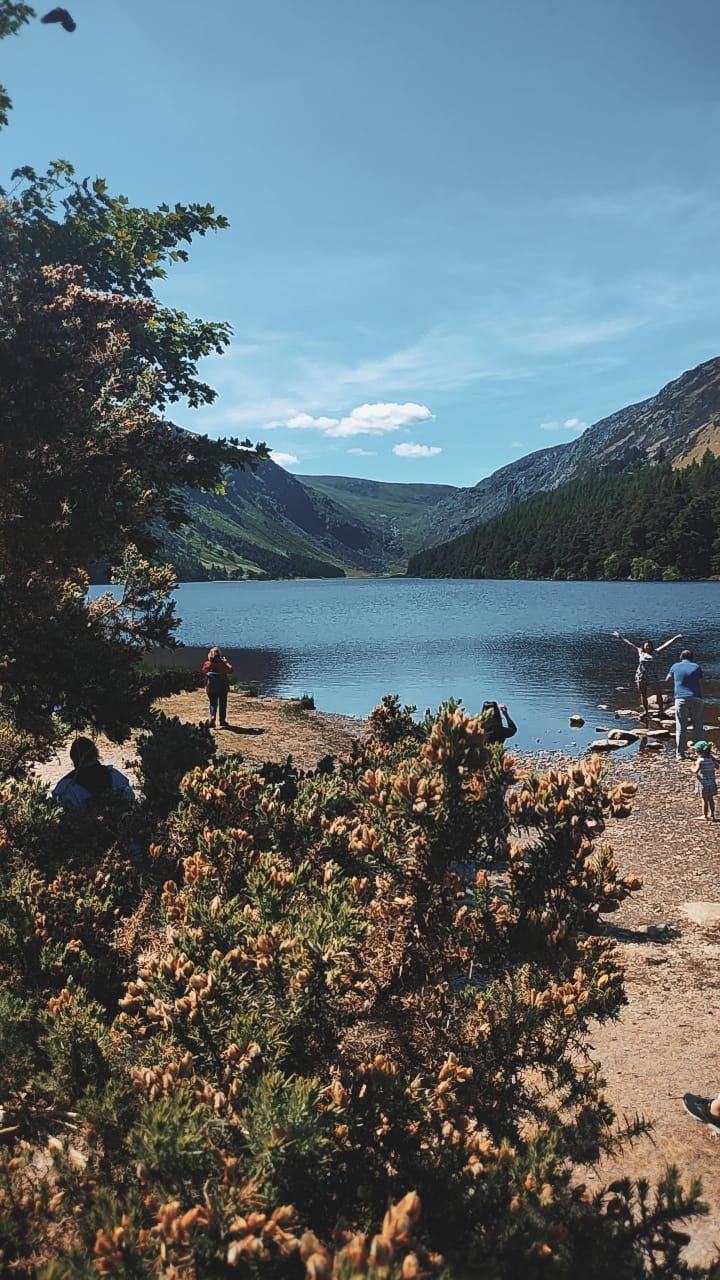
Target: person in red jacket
<point>217,671</point>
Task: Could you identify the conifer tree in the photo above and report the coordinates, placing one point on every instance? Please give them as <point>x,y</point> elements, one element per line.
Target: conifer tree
<point>91,465</point>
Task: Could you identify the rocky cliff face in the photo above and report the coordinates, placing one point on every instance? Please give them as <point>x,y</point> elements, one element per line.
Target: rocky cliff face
<point>677,425</point>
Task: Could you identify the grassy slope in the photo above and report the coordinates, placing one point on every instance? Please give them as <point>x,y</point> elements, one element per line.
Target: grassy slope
<point>215,540</point>
<point>408,506</point>
<point>262,524</point>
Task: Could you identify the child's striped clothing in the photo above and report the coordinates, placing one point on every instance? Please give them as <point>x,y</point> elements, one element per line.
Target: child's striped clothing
<point>706,783</point>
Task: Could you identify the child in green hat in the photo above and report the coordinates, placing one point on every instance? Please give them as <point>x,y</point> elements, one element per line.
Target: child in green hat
<point>705,769</point>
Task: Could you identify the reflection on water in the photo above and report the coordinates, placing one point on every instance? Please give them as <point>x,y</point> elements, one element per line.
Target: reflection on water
<point>544,648</point>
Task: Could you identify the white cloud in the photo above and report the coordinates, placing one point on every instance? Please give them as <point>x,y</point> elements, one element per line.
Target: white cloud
<point>416,450</point>
<point>364,453</point>
<point>570,424</point>
<point>304,421</point>
<point>377,419</point>
<point>365,420</point>
<point>284,459</point>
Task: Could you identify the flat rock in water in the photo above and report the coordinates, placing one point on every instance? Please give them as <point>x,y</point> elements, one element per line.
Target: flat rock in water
<point>628,712</point>
<point>656,733</point>
<point>652,744</point>
<point>622,735</point>
<point>601,728</point>
<point>607,744</point>
<point>701,912</point>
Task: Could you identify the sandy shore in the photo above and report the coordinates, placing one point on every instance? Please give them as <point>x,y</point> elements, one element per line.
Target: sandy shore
<point>665,1042</point>
<point>259,728</point>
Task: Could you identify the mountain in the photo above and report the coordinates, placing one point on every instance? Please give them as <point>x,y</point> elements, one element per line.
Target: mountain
<point>404,514</point>
<point>651,522</point>
<point>676,425</point>
<point>269,523</point>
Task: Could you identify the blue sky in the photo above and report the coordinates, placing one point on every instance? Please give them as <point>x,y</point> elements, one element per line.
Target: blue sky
<point>460,229</point>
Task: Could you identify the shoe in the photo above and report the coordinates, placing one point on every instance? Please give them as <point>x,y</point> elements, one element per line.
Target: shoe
<point>679,757</point>
<point>223,724</point>
<point>699,1109</point>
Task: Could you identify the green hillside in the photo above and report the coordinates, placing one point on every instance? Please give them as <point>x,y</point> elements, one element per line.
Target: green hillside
<point>656,522</point>
<point>217,545</point>
<point>272,524</point>
<point>402,512</point>
<point>267,525</point>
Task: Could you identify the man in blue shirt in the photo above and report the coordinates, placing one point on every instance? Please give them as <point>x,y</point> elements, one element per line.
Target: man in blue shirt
<point>686,675</point>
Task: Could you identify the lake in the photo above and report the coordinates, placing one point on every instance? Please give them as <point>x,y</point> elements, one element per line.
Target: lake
<point>544,648</point>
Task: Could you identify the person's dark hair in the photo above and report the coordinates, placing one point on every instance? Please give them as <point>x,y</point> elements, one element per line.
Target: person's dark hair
<point>647,646</point>
<point>83,751</point>
<point>687,653</point>
<point>496,722</point>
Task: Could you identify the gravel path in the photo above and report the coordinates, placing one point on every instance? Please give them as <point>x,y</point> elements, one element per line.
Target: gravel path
<point>665,1043</point>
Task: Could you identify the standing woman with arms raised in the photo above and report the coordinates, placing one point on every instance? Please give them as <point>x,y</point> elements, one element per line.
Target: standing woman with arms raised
<point>646,676</point>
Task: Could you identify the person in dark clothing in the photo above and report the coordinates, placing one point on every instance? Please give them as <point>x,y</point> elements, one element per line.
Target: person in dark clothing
<point>89,779</point>
<point>495,730</point>
<point>217,671</point>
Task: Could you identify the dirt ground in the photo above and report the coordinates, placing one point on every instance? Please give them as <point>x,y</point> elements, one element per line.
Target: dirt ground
<point>259,729</point>
<point>665,1042</point>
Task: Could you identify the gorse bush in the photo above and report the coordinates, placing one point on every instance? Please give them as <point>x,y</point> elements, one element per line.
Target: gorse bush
<point>314,1032</point>
<point>165,753</point>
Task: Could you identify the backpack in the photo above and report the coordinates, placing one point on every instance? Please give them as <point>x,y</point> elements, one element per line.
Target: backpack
<point>214,683</point>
